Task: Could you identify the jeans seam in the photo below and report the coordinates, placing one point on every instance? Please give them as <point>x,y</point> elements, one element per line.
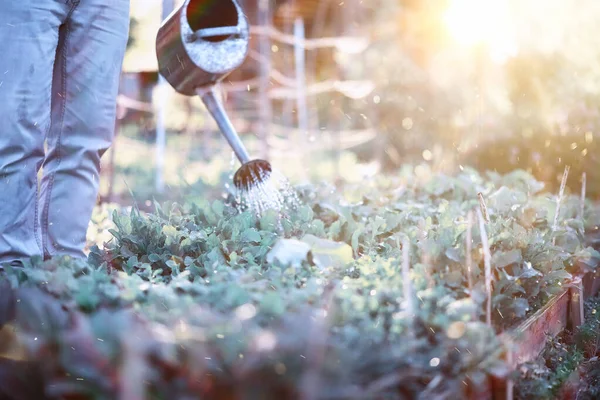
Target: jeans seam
<point>46,211</point>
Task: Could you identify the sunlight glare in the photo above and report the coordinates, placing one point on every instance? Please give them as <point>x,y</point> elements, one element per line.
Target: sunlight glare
<point>482,22</point>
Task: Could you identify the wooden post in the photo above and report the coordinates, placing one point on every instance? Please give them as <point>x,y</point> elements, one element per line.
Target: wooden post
<point>161,102</point>
<point>596,283</point>
<point>113,149</point>
<point>265,111</point>
<point>317,31</point>
<point>301,102</point>
<point>299,53</point>
<point>288,103</point>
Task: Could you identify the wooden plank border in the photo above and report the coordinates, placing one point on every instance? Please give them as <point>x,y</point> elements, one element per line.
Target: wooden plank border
<point>526,341</point>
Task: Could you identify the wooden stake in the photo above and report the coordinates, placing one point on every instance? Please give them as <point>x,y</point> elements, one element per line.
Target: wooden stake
<point>576,314</point>
<point>561,192</point>
<point>425,257</point>
<point>406,282</point>
<point>487,259</point>
<point>469,243</point>
<point>583,189</point>
<point>483,207</point>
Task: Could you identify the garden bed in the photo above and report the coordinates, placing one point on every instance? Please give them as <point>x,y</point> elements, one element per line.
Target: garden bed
<point>312,305</point>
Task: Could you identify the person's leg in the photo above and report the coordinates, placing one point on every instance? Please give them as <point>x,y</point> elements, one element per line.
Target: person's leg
<point>28,40</point>
<point>86,80</point>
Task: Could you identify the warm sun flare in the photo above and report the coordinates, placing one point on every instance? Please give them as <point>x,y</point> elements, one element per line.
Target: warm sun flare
<point>482,22</point>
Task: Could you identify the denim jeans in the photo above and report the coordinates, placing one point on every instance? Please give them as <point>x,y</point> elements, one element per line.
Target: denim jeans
<point>60,64</point>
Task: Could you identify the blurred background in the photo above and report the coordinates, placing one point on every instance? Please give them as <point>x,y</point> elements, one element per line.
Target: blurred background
<point>347,89</point>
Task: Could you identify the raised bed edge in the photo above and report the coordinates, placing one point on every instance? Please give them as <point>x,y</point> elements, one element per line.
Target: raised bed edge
<point>528,339</point>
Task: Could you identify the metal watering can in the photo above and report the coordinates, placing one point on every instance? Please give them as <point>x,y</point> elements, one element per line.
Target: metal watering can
<point>197,46</point>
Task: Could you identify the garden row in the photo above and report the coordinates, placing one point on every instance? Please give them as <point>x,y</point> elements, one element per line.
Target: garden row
<point>369,291</point>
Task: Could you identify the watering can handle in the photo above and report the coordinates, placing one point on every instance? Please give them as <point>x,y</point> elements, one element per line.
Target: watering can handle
<point>217,31</point>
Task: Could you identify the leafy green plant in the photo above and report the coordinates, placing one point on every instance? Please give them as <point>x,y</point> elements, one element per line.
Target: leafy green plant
<point>202,299</point>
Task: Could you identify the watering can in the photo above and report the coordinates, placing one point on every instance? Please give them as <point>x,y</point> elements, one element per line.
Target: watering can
<point>197,46</point>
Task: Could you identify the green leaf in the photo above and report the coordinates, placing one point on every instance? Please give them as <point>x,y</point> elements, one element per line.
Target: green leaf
<point>171,233</point>
<point>558,275</point>
<point>355,237</point>
<point>504,199</point>
<point>271,303</point>
<point>335,230</point>
<point>305,213</point>
<point>529,272</point>
<point>172,264</point>
<point>568,241</point>
<point>503,259</point>
<point>251,235</point>
<point>453,254</point>
<point>157,272</point>
<point>132,262</point>
<point>218,208</point>
<point>269,221</point>
<point>520,307</point>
